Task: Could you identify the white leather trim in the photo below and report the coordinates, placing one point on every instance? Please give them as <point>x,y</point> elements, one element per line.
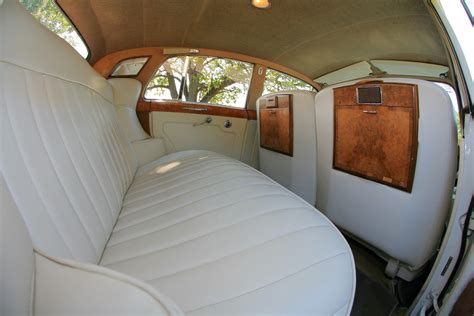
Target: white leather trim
<point>297,173</point>
<point>405,226</point>
<point>17,262</point>
<point>219,237</point>
<point>250,146</point>
<point>126,94</point>
<point>210,232</point>
<point>65,287</point>
<point>180,133</point>
<point>48,58</point>
<point>126,91</point>
<point>148,150</point>
<point>63,154</point>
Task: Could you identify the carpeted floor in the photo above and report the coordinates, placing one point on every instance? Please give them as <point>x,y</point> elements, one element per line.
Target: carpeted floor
<point>374,294</point>
<point>372,298</point>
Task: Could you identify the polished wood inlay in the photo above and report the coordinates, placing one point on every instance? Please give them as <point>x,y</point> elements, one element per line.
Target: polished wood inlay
<point>377,142</point>
<point>106,65</point>
<point>252,114</point>
<point>197,108</point>
<point>276,123</point>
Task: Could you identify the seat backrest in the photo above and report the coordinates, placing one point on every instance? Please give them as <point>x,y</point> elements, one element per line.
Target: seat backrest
<point>404,226</point>
<point>63,155</point>
<point>297,173</point>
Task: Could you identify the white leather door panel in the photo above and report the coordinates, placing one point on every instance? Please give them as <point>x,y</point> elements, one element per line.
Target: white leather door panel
<point>184,131</point>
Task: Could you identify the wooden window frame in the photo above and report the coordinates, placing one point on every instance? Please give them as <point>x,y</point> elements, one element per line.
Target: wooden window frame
<point>129,76</point>
<point>157,57</point>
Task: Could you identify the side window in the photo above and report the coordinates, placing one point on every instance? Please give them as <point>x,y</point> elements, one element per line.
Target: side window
<point>202,79</point>
<point>50,15</point>
<point>217,81</point>
<point>129,67</point>
<point>276,81</point>
<point>166,83</point>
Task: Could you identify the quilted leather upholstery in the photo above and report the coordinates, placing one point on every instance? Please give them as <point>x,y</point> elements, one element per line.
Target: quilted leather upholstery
<point>211,233</point>
<point>216,235</point>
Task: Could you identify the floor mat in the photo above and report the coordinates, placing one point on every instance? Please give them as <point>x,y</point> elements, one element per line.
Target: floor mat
<point>372,298</point>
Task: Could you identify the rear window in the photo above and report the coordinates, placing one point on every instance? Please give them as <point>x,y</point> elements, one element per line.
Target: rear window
<point>129,67</point>
<point>276,81</point>
<point>50,15</point>
<point>202,79</point>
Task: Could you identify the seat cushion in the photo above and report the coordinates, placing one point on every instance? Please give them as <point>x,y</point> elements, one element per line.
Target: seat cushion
<point>218,236</point>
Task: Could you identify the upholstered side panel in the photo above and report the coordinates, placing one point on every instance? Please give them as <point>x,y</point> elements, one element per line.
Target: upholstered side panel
<point>126,93</point>
<point>185,131</point>
<point>63,154</point>
<point>404,226</point>
<point>250,147</point>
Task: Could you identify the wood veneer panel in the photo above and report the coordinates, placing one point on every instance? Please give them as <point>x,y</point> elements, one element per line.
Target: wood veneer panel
<point>276,124</point>
<point>377,142</point>
<point>202,109</point>
<point>252,114</point>
<point>107,63</point>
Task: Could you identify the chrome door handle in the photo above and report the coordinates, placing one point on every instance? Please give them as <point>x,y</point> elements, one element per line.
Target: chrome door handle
<point>369,112</point>
<point>195,109</point>
<point>208,120</point>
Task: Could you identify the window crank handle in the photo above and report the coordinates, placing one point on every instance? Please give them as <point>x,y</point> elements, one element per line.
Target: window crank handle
<point>208,120</point>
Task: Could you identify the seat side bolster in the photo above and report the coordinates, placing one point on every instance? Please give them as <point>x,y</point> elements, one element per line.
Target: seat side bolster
<point>126,93</point>
<point>63,286</point>
<point>17,264</point>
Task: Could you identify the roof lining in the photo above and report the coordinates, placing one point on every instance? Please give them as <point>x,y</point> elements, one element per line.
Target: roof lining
<point>299,35</point>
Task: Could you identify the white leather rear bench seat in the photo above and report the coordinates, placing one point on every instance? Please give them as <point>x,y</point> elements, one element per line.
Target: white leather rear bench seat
<point>217,236</point>
<point>209,232</point>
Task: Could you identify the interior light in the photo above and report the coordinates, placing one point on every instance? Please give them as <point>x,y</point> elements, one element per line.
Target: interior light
<point>261,4</point>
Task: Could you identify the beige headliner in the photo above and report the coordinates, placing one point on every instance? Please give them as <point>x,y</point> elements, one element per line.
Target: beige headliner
<point>310,36</point>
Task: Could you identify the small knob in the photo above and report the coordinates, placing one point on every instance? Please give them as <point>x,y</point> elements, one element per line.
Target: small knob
<point>227,124</point>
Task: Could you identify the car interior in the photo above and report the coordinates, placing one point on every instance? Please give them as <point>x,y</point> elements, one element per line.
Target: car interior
<point>236,157</point>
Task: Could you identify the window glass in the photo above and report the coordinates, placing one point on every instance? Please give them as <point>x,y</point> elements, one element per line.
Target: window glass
<point>217,81</point>
<point>276,81</point>
<point>166,82</point>
<point>202,79</point>
<point>129,67</point>
<point>49,14</point>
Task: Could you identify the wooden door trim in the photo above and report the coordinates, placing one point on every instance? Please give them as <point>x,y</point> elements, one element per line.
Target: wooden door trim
<point>187,107</point>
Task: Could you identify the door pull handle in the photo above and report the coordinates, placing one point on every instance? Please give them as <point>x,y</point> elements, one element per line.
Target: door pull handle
<point>369,112</point>
<point>188,108</point>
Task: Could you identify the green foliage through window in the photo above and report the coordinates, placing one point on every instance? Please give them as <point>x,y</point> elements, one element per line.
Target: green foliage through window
<point>49,14</point>
<point>276,81</point>
<point>202,79</point>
